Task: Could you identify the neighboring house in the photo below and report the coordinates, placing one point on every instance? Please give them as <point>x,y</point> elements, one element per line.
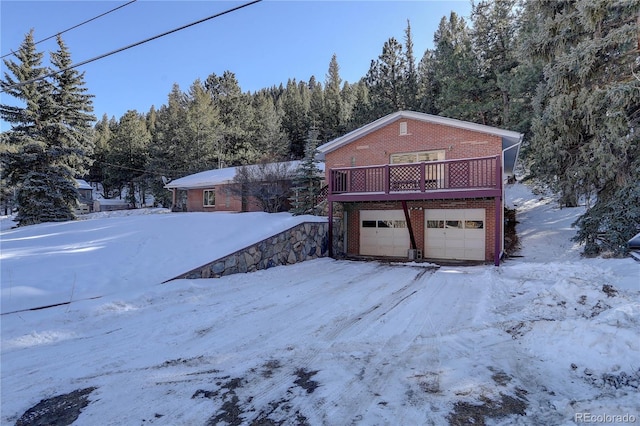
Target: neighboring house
<point>422,182</point>
<point>110,204</point>
<point>85,197</point>
<point>634,247</point>
<point>213,190</point>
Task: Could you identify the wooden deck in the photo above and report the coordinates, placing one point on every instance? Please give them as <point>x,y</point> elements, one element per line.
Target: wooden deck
<point>463,178</point>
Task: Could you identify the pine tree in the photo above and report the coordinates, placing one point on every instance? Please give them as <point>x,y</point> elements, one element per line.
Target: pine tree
<point>411,73</point>
<point>386,79</point>
<point>102,136</point>
<point>459,92</point>
<point>428,87</point>
<point>203,130</point>
<point>333,113</point>
<point>494,38</point>
<point>270,140</point>
<point>349,98</point>
<point>585,141</point>
<point>168,152</point>
<point>128,154</point>
<point>50,139</point>
<point>295,120</point>
<point>316,106</point>
<point>73,117</point>
<point>235,112</point>
<point>306,184</point>
<point>23,83</point>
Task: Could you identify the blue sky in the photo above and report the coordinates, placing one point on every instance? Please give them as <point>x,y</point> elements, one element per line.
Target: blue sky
<point>263,44</point>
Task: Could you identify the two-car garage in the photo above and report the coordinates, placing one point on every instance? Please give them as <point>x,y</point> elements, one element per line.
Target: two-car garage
<point>448,233</point>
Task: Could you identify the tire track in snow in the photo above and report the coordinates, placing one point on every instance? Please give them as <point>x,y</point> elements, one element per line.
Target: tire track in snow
<point>376,367</point>
<point>381,308</point>
<point>287,327</point>
<point>383,304</point>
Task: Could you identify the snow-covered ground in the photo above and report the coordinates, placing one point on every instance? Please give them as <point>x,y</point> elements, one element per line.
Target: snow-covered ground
<point>546,338</point>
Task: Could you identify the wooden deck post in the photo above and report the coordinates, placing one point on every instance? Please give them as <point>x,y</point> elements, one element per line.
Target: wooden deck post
<point>409,227</point>
<point>498,207</point>
<point>330,230</point>
<point>387,179</point>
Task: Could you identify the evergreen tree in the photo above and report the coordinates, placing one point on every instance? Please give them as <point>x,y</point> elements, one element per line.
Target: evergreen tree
<point>102,138</point>
<point>50,137</point>
<point>349,98</point>
<point>504,80</point>
<point>128,155</point>
<point>203,130</point>
<point>169,150</point>
<point>73,119</point>
<point>21,83</point>
<point>295,119</point>
<point>585,141</point>
<point>428,86</point>
<point>308,178</point>
<point>269,138</point>
<point>235,112</point>
<point>316,106</point>
<point>386,79</point>
<point>362,111</point>
<point>460,85</point>
<point>333,112</point>
<point>411,73</point>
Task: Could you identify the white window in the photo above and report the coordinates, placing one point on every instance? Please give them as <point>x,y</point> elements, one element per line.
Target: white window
<point>403,128</point>
<point>209,198</point>
<point>417,157</point>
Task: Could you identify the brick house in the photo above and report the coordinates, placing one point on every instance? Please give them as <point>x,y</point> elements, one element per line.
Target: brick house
<point>422,182</point>
<point>211,190</point>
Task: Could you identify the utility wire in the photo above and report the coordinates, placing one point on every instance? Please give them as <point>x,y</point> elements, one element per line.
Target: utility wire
<point>75,26</point>
<point>13,86</point>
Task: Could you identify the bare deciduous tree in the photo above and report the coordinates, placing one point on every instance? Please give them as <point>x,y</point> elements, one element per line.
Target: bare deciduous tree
<point>266,184</point>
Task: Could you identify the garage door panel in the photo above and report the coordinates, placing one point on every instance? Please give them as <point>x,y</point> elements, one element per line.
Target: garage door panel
<point>474,244</point>
<point>383,233</point>
<point>455,234</point>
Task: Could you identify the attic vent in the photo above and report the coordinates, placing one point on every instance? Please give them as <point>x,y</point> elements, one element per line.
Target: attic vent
<point>403,128</point>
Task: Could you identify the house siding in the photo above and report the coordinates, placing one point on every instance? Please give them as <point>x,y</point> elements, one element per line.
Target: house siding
<point>376,147</point>
<point>416,214</point>
<point>225,201</point>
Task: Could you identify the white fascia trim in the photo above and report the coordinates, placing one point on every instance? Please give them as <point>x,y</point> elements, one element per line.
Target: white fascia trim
<point>510,136</point>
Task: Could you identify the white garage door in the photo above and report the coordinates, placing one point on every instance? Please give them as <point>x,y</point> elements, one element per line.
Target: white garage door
<point>455,234</point>
<point>383,233</point>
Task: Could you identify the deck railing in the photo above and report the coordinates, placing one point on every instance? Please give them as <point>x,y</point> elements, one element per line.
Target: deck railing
<point>472,173</point>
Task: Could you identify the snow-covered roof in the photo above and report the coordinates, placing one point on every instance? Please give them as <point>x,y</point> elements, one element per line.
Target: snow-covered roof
<point>82,184</point>
<point>222,176</point>
<point>510,140</point>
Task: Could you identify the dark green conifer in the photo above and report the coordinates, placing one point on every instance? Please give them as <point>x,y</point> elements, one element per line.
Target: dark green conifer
<point>306,184</point>
<point>51,135</point>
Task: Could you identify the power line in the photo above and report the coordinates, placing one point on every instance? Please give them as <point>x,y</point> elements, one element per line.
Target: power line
<point>113,52</point>
<point>76,26</point>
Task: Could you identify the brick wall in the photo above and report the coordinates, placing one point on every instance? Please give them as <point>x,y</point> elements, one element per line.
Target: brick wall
<point>416,211</point>
<point>225,201</point>
<point>376,147</point>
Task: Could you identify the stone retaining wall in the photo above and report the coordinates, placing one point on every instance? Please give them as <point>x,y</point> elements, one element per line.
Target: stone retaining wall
<point>305,241</point>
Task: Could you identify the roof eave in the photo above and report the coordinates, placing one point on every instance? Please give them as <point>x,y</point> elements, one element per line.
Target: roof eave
<point>375,125</point>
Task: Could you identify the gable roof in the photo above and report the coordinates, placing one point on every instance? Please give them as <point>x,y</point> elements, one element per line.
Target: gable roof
<point>223,176</point>
<point>510,140</point>
<point>82,184</point>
